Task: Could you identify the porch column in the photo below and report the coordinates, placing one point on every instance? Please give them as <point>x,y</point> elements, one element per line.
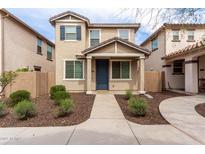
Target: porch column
<point>191,75</point>
<point>89,60</point>
<point>141,76</point>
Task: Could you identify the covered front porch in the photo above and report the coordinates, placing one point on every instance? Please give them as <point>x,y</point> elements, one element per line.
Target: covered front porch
<point>185,70</point>
<point>114,66</point>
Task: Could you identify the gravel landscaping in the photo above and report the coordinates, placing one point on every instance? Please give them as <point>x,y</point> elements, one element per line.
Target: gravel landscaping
<point>46,113</point>
<point>153,115</point>
<point>200,109</point>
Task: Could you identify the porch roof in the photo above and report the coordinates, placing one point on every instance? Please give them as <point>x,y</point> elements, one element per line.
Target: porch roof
<point>188,49</point>
<point>117,39</point>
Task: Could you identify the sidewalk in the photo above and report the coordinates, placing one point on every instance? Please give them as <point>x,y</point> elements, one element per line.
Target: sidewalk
<point>180,112</point>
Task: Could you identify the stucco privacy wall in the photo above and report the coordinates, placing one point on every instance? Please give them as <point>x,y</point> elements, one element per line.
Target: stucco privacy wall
<point>171,46</point>
<point>154,62</point>
<point>21,49</point>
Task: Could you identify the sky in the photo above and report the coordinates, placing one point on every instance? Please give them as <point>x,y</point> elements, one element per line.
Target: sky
<point>38,19</point>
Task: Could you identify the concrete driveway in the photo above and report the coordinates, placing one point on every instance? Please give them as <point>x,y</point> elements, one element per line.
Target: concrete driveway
<point>106,125</point>
<point>180,112</point>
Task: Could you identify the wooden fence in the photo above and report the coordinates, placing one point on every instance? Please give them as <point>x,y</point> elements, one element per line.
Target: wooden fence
<point>153,81</point>
<point>37,83</point>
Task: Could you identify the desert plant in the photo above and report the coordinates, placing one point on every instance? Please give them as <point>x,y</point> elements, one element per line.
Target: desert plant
<point>24,109</point>
<point>137,106</point>
<point>5,79</point>
<point>59,95</point>
<point>128,94</point>
<point>65,107</point>
<point>19,96</point>
<point>2,109</point>
<point>56,88</point>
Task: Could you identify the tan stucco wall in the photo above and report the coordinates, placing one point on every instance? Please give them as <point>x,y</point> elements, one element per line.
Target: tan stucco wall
<point>20,49</point>
<point>173,46</point>
<point>154,62</point>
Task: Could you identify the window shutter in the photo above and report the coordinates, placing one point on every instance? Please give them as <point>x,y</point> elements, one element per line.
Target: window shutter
<point>78,32</point>
<point>62,32</point>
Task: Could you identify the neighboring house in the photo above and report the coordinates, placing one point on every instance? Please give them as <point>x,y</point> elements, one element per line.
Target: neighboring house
<point>93,56</point>
<point>21,46</point>
<point>178,50</point>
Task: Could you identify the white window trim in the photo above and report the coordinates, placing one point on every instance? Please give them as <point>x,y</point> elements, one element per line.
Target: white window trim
<point>64,67</point>
<point>89,35</point>
<point>118,33</point>
<point>119,60</point>
<point>76,32</point>
<point>191,35</point>
<point>175,35</point>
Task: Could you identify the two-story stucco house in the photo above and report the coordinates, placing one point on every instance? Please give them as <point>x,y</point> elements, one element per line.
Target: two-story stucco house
<point>178,50</point>
<point>21,46</point>
<point>93,56</point>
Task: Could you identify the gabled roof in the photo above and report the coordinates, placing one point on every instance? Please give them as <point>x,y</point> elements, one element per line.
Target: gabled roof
<point>24,25</point>
<point>188,49</point>
<point>93,25</point>
<point>116,39</point>
<point>172,25</point>
<point>66,13</point>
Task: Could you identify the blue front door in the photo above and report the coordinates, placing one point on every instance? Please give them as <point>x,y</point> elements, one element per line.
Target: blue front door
<point>102,74</point>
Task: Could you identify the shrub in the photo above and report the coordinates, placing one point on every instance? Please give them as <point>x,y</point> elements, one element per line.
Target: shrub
<point>24,109</point>
<point>65,107</point>
<point>7,101</point>
<point>59,95</point>
<point>24,69</point>
<point>129,94</point>
<point>19,96</point>
<point>137,106</point>
<point>2,109</point>
<point>56,88</point>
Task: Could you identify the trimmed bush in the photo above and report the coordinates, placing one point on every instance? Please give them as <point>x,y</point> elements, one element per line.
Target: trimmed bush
<point>24,109</point>
<point>2,109</point>
<point>59,95</point>
<point>19,96</point>
<point>56,88</point>
<point>137,106</point>
<point>65,107</point>
<point>129,94</point>
<point>24,69</point>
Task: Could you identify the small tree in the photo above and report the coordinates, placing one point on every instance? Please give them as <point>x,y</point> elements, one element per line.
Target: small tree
<point>5,79</point>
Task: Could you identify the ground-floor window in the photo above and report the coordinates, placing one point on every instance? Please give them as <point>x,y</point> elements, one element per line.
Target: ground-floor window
<point>178,67</point>
<point>74,69</point>
<point>121,69</point>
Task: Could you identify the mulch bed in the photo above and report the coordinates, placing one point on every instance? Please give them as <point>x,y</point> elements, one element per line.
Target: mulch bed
<point>200,109</point>
<point>45,113</point>
<point>153,115</point>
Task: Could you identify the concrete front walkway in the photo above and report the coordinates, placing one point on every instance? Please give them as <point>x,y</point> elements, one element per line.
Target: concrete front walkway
<point>181,113</point>
<point>106,125</point>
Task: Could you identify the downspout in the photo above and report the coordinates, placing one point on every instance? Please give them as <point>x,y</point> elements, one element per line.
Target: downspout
<point>2,42</point>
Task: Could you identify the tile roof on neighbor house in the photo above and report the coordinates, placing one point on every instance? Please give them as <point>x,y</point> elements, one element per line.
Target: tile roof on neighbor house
<point>24,25</point>
<point>188,49</point>
<point>172,25</point>
<point>114,39</point>
<point>97,25</point>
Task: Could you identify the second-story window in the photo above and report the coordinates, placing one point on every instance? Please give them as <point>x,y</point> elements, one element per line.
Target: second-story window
<point>154,44</point>
<point>175,34</point>
<point>190,35</point>
<point>94,37</point>
<point>49,52</point>
<point>124,34</point>
<point>39,46</point>
<point>70,32</point>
